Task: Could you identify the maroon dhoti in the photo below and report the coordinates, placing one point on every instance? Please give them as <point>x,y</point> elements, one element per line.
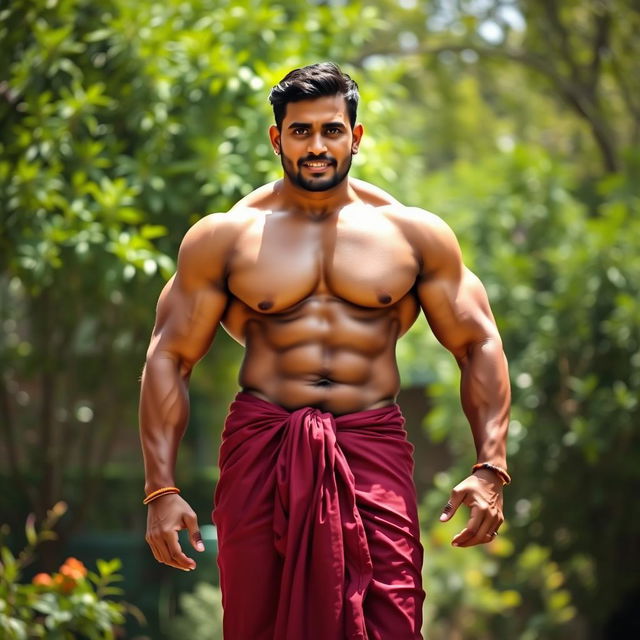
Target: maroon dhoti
<point>317,525</point>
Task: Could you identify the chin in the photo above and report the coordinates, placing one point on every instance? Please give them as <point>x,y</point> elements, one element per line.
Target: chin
<point>320,184</point>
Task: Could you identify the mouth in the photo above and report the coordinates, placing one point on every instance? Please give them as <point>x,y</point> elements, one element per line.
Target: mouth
<point>317,166</point>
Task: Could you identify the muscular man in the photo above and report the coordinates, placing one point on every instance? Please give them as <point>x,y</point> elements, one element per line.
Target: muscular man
<point>318,275</point>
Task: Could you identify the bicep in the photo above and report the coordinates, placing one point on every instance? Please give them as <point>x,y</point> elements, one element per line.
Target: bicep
<point>187,317</point>
<point>193,302</point>
<point>456,306</point>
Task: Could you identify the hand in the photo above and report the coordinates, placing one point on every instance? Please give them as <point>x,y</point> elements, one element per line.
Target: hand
<point>165,517</point>
<point>482,493</point>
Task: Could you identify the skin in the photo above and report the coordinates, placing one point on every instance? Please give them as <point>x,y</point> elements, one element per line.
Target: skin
<point>318,275</point>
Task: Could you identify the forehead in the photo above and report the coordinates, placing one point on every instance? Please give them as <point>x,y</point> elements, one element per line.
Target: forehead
<point>317,111</point>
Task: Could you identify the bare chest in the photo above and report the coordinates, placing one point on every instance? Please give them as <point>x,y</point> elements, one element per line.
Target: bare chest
<point>364,260</point>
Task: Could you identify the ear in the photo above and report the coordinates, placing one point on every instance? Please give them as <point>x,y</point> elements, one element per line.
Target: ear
<point>358,132</point>
<point>274,135</point>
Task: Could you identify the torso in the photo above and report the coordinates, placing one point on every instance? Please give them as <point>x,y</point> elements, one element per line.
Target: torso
<point>320,303</point>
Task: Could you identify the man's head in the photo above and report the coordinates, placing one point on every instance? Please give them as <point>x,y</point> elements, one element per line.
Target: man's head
<point>316,133</point>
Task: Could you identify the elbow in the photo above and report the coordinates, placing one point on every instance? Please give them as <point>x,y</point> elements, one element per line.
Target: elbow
<point>160,359</point>
<point>489,343</point>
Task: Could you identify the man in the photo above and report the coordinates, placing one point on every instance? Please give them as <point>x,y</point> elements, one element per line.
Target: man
<point>318,275</point>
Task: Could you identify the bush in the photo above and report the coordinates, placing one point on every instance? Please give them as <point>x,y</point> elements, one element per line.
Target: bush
<point>201,614</point>
<point>71,603</point>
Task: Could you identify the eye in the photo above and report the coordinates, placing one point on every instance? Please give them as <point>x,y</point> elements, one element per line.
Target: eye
<point>299,131</point>
<point>334,131</point>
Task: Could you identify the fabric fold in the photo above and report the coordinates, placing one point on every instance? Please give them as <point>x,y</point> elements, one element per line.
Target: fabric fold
<point>306,516</point>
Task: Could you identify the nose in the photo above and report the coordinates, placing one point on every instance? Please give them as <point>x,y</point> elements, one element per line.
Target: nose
<point>316,144</point>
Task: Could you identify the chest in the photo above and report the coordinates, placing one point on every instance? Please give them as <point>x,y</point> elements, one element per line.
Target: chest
<point>364,260</point>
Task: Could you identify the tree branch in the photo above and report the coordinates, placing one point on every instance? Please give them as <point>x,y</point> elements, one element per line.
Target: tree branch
<point>574,93</point>
<point>551,9</point>
<point>602,27</point>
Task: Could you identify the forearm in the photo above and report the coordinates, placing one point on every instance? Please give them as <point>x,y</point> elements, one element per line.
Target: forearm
<point>163,413</point>
<point>486,399</point>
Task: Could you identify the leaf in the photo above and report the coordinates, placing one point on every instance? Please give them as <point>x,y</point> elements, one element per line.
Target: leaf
<point>30,530</point>
<point>150,231</point>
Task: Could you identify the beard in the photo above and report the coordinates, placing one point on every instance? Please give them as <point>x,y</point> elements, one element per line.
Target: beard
<point>316,183</point>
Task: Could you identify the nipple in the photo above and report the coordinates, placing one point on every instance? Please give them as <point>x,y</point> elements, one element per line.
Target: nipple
<point>265,305</point>
<point>384,298</point>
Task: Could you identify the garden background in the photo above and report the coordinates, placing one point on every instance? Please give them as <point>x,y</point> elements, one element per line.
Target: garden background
<point>518,122</point>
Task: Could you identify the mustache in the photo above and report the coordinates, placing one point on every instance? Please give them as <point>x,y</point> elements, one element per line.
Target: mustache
<point>316,159</point>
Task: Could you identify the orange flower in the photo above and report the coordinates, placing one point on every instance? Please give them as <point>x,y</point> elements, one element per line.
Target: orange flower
<point>74,569</point>
<point>65,583</point>
<point>43,579</point>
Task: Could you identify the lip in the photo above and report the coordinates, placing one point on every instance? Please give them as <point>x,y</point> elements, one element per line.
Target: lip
<point>317,166</point>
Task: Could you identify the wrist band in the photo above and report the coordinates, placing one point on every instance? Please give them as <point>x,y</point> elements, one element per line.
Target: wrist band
<point>499,471</point>
<point>160,492</point>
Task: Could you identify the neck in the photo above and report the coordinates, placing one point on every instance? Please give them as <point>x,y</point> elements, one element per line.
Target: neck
<point>317,203</point>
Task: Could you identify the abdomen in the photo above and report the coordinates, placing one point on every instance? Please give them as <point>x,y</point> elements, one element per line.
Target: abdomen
<point>325,353</point>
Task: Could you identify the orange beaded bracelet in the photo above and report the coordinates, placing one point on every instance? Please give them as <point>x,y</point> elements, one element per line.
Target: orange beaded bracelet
<point>499,471</point>
<point>160,492</point>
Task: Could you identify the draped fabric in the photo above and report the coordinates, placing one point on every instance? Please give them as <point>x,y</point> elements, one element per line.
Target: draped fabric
<point>317,525</point>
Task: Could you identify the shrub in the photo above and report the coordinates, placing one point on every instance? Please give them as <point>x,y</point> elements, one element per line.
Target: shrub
<point>72,603</point>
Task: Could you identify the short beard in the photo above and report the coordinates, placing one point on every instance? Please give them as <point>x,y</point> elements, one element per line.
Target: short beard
<point>319,184</point>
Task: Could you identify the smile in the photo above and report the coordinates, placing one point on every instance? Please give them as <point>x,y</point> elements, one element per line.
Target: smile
<point>316,165</point>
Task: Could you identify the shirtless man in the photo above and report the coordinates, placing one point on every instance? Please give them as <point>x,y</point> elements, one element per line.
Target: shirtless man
<point>318,275</point>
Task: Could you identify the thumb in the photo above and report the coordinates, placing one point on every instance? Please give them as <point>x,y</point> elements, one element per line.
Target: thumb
<point>194,532</point>
<point>452,506</point>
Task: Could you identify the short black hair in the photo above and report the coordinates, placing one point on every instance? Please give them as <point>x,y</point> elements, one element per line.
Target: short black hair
<point>314,81</point>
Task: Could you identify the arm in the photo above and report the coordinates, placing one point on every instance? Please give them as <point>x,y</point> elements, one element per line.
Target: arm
<point>188,312</point>
<point>457,309</point>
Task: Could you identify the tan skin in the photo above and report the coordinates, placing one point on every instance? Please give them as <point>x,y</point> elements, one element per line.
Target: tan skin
<point>319,286</point>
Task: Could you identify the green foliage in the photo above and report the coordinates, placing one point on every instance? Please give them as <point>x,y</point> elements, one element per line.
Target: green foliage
<point>72,603</point>
<point>490,591</point>
<point>201,615</point>
<point>517,122</point>
<point>563,280</point>
<point>121,123</point>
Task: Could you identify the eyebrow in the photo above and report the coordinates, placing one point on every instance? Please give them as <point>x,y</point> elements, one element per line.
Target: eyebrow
<point>328,125</point>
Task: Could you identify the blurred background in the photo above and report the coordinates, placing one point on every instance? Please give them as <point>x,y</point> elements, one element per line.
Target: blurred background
<point>518,122</point>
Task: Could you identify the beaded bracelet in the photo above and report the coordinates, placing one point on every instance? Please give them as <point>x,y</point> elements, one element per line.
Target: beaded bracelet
<point>160,492</point>
<point>499,471</point>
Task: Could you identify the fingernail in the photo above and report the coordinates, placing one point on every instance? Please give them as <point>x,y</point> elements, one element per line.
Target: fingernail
<point>443,517</point>
<point>455,544</point>
<point>199,546</point>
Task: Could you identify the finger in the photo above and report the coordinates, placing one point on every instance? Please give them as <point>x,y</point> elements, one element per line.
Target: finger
<point>191,523</point>
<point>488,526</point>
<point>175,554</point>
<point>485,532</point>
<point>474,525</point>
<point>452,506</point>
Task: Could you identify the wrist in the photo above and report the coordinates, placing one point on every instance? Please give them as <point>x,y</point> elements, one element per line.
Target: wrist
<point>158,493</point>
<point>498,471</point>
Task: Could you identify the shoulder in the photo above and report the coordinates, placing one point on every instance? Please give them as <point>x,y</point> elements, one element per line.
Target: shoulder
<point>214,229</point>
<point>427,226</point>
<point>259,198</point>
<point>207,245</point>
<point>432,238</point>
<point>371,194</point>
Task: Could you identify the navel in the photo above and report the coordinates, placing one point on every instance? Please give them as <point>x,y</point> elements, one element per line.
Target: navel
<point>265,305</point>
<point>384,298</point>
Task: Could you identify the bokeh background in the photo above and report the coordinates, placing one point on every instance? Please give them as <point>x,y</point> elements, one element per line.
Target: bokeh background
<point>123,122</point>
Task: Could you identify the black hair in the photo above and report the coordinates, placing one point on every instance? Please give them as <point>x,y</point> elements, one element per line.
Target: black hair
<point>314,81</point>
